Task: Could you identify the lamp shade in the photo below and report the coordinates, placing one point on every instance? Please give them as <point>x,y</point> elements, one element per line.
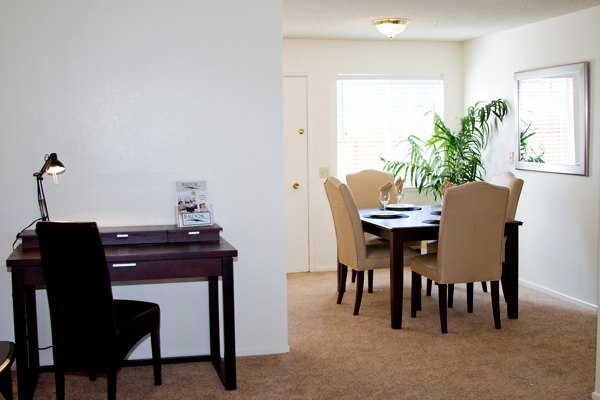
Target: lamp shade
<point>391,26</point>
<point>54,166</point>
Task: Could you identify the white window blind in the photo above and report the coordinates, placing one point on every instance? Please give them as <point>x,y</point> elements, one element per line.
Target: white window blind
<point>376,115</point>
<point>547,104</point>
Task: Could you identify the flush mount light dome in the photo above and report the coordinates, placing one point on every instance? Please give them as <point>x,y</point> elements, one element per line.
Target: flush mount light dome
<point>391,26</point>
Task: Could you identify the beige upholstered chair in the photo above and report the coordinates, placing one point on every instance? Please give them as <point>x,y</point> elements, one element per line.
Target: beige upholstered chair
<point>514,185</point>
<point>353,250</point>
<point>469,246</point>
<point>364,186</point>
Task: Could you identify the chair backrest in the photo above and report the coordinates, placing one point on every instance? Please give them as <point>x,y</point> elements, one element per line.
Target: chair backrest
<point>79,294</point>
<point>471,233</point>
<point>514,185</point>
<point>350,237</point>
<point>364,186</point>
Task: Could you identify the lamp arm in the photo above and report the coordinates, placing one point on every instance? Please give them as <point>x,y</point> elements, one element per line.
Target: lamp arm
<point>41,198</point>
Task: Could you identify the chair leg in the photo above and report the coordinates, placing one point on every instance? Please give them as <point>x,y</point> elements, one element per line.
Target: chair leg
<point>484,286</point>
<point>496,302</point>
<point>156,360</point>
<point>450,295</point>
<point>360,281</point>
<point>111,381</point>
<point>342,282</point>
<point>339,274</point>
<point>370,281</point>
<point>59,377</point>
<point>6,385</point>
<point>353,276</point>
<point>470,297</point>
<point>415,294</point>
<point>429,285</point>
<point>442,290</point>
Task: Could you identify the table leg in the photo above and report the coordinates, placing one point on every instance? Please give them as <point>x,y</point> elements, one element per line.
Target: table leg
<point>510,271</point>
<point>396,280</point>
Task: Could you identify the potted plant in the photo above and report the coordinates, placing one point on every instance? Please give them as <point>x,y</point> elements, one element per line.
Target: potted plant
<point>450,156</point>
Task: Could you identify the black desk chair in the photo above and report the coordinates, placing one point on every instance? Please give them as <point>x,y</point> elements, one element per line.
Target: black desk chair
<point>91,332</point>
<point>7,356</point>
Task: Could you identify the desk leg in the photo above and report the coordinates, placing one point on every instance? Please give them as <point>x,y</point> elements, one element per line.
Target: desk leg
<point>26,343</point>
<point>396,281</point>
<point>225,366</point>
<point>229,325</point>
<point>213,316</point>
<point>510,271</point>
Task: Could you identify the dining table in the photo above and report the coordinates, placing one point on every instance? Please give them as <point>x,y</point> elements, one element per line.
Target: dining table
<point>407,223</point>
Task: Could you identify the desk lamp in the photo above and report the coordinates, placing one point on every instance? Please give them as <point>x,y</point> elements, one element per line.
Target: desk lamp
<point>53,167</point>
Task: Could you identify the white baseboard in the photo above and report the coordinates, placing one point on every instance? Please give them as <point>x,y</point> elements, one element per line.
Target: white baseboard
<point>262,350</point>
<point>561,296</point>
<point>595,396</point>
<point>324,268</point>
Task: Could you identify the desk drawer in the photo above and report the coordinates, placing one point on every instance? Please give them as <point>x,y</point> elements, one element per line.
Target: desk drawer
<point>201,234</point>
<point>133,237</point>
<point>164,269</point>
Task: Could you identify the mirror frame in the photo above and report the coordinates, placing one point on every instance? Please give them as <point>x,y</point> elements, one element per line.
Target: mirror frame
<point>580,71</point>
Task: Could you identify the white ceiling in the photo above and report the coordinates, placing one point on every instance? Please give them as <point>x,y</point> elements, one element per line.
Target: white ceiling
<point>454,20</point>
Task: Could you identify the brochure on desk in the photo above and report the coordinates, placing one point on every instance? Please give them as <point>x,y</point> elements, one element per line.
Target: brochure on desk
<point>193,208</point>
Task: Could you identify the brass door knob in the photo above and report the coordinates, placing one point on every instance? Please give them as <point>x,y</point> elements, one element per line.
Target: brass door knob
<point>296,185</point>
<point>301,130</point>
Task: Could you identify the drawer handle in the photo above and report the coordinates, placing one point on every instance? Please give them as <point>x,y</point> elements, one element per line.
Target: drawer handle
<point>193,233</point>
<point>122,265</point>
<point>122,235</point>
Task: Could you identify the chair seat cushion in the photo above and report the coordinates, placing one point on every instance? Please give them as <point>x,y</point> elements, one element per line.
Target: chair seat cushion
<point>426,265</point>
<point>133,319</point>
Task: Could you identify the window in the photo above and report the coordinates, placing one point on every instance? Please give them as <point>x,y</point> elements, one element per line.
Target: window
<point>546,106</point>
<point>377,114</point>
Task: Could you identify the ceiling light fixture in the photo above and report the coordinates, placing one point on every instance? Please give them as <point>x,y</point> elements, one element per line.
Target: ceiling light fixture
<point>391,26</point>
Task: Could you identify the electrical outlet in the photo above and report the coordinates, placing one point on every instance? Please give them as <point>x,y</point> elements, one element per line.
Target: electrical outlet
<point>324,172</point>
<point>511,157</point>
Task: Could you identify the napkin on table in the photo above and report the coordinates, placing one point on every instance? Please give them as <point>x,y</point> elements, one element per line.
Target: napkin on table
<point>399,184</point>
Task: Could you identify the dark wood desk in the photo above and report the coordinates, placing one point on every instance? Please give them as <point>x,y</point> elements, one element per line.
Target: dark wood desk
<point>400,230</point>
<point>135,254</point>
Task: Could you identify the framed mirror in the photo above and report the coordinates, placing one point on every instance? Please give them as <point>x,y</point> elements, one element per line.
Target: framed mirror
<point>553,119</point>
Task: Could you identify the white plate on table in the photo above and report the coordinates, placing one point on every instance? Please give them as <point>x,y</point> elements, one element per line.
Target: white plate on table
<point>400,206</point>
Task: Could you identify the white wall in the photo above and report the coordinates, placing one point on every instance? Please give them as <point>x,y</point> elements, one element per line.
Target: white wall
<point>321,61</point>
<point>134,96</point>
<point>559,240</point>
<point>559,237</point>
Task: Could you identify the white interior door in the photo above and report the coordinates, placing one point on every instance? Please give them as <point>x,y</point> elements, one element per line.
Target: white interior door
<point>295,143</point>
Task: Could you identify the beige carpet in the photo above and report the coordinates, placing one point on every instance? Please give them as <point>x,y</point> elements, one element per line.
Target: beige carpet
<point>548,353</point>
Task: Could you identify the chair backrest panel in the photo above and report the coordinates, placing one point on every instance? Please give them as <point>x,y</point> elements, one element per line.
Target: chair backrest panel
<point>79,293</point>
<point>471,233</point>
<point>514,185</point>
<point>364,186</point>
<point>348,226</point>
